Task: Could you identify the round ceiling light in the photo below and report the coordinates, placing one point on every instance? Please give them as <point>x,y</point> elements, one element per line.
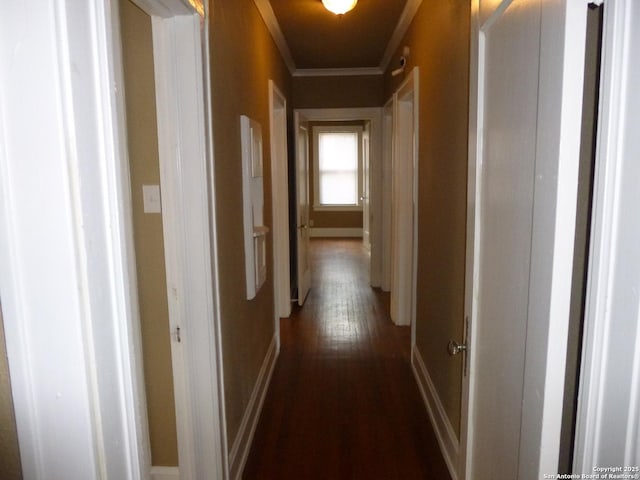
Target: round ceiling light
<point>339,6</point>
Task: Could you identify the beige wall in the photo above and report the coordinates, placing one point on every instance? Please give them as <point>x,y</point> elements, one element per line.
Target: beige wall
<point>439,42</point>
<point>149,244</point>
<point>324,218</point>
<point>10,468</point>
<point>338,92</point>
<point>243,59</point>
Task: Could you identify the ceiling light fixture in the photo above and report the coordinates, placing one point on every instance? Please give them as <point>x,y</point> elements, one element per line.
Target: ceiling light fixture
<point>339,6</point>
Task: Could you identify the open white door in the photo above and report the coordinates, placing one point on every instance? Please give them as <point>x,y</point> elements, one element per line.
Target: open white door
<point>302,208</point>
<point>525,109</point>
<point>280,203</point>
<point>404,205</point>
<point>504,235</point>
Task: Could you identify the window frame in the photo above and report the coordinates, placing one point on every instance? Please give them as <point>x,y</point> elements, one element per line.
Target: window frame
<point>316,130</point>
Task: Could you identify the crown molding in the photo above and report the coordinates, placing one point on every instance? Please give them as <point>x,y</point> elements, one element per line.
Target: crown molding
<point>270,20</point>
<point>264,7</point>
<point>410,10</point>
<point>336,72</point>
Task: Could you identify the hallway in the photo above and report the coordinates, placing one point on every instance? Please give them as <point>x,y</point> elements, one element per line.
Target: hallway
<point>343,402</point>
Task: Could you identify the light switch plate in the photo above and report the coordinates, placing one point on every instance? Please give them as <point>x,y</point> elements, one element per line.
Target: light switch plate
<point>151,198</point>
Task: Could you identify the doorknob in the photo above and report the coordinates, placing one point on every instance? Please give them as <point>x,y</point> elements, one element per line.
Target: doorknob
<point>303,227</point>
<point>455,348</point>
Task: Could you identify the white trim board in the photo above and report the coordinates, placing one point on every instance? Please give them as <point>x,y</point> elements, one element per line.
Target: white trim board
<point>165,473</point>
<point>445,433</point>
<point>270,20</point>
<point>337,72</point>
<point>409,12</point>
<point>242,443</point>
<point>66,188</point>
<point>326,232</point>
<point>608,423</point>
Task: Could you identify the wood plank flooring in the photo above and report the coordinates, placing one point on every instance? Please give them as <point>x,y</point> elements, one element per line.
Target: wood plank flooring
<point>343,402</point>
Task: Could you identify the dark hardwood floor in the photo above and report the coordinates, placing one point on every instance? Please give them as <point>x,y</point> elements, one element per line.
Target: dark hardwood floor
<point>343,403</point>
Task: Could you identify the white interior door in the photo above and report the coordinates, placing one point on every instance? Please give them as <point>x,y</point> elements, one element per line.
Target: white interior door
<point>404,192</point>
<point>509,66</point>
<point>280,203</point>
<point>302,209</point>
<point>527,75</point>
<point>366,206</point>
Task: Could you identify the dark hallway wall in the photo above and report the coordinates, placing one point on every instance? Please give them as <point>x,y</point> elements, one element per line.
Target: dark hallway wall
<point>338,92</point>
<point>439,43</point>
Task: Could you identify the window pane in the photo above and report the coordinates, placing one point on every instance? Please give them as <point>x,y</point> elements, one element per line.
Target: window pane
<point>338,168</point>
<point>338,189</point>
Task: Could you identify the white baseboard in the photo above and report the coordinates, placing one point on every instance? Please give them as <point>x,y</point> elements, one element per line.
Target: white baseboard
<point>446,435</point>
<point>336,232</point>
<point>165,473</point>
<point>242,443</point>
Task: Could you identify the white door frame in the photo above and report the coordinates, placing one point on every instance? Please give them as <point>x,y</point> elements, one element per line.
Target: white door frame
<point>405,217</point>
<point>374,115</point>
<point>607,431</point>
<point>182,109</point>
<point>72,325</point>
<point>559,121</point>
<point>387,158</point>
<point>303,280</point>
<point>280,205</point>
<point>182,90</point>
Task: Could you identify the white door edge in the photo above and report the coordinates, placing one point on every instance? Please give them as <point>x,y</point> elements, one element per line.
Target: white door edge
<point>405,267</point>
<point>280,206</point>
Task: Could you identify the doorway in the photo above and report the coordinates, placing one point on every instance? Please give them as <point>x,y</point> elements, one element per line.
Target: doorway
<point>280,203</point>
<point>148,233</point>
<point>524,142</point>
<point>404,206</point>
<point>584,206</point>
<point>371,120</point>
<point>171,196</point>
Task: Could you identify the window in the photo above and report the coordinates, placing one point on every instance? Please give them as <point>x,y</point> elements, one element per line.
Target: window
<point>337,167</point>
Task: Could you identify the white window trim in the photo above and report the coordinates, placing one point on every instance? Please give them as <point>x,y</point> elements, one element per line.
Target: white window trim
<point>317,206</point>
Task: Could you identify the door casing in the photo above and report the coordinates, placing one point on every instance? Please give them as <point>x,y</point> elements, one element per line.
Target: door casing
<point>180,66</point>
<point>563,26</point>
<point>374,116</point>
<point>280,205</point>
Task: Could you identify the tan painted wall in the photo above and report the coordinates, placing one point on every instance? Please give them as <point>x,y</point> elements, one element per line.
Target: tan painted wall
<point>243,59</point>
<point>439,42</point>
<point>149,244</point>
<point>338,92</point>
<point>323,218</point>
<point>10,468</point>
